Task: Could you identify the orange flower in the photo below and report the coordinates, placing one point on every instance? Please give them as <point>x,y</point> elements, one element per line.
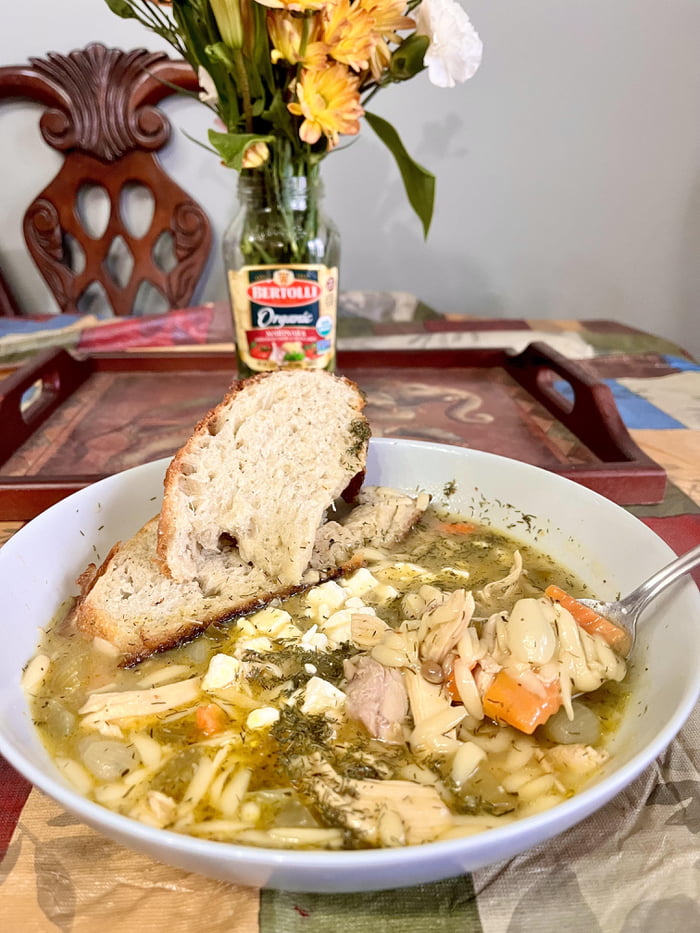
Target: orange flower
<point>294,6</point>
<point>348,33</point>
<point>255,155</point>
<point>388,18</point>
<point>329,101</point>
<point>287,35</point>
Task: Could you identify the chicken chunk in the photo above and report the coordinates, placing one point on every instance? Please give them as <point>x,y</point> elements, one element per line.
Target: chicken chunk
<point>392,812</point>
<point>377,698</point>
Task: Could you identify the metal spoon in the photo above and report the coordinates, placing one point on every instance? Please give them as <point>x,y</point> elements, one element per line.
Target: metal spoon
<point>625,612</point>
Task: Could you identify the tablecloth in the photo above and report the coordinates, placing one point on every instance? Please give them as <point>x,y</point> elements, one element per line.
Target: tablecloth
<point>632,866</point>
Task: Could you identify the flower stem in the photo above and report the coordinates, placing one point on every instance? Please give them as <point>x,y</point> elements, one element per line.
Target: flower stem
<point>244,86</point>
<point>371,94</point>
<point>153,18</point>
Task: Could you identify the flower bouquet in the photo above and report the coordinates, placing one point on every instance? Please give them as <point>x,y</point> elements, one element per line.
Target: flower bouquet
<point>287,79</point>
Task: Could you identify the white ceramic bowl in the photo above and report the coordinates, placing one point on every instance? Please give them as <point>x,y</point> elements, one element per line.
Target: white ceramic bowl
<point>605,545</point>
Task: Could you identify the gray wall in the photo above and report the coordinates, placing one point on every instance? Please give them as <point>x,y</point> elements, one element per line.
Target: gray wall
<point>568,168</point>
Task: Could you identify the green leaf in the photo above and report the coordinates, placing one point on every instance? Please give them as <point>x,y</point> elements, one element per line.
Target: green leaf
<point>216,60</point>
<point>418,181</point>
<point>255,84</point>
<point>232,146</point>
<point>260,52</point>
<point>280,117</point>
<point>194,31</point>
<point>122,8</point>
<point>220,52</point>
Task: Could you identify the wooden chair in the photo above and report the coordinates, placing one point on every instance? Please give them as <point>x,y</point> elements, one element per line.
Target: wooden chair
<point>149,245</point>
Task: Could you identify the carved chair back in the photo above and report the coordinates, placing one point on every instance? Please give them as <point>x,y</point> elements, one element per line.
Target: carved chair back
<point>147,241</point>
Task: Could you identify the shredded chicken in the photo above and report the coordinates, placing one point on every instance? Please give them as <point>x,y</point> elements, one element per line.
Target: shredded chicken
<point>506,586</point>
<point>577,758</point>
<point>393,812</point>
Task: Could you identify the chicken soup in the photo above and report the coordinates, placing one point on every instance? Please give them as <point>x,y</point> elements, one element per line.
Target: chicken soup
<point>436,692</point>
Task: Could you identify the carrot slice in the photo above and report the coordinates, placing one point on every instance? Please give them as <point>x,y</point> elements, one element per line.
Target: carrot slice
<point>591,621</point>
<point>210,719</point>
<point>457,528</point>
<point>508,701</point>
<point>451,687</point>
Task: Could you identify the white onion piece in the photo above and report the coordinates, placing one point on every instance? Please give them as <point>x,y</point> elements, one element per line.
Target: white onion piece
<point>107,759</point>
<point>583,729</point>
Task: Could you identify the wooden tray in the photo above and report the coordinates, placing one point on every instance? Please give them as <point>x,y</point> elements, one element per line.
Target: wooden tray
<point>67,422</point>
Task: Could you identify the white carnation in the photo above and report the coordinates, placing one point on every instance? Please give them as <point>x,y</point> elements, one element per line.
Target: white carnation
<point>455,49</point>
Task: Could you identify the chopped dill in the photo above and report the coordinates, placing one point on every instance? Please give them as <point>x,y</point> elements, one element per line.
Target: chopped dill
<point>298,734</point>
<point>292,661</point>
<point>361,432</point>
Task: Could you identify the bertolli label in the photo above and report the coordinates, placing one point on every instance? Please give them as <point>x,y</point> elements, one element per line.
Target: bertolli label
<point>285,316</point>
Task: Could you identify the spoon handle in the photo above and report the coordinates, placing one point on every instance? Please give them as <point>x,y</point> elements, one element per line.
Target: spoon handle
<point>663,578</point>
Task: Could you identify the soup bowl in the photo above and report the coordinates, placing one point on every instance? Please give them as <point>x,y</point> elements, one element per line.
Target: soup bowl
<point>608,548</point>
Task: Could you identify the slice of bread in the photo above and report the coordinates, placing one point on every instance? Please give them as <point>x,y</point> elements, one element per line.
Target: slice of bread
<point>133,604</point>
<point>261,469</point>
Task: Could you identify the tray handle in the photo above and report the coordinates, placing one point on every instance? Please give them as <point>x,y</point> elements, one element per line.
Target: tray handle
<point>591,407</point>
<point>34,392</point>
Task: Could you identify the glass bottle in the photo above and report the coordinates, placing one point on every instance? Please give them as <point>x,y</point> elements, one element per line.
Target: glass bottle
<point>281,255</point>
